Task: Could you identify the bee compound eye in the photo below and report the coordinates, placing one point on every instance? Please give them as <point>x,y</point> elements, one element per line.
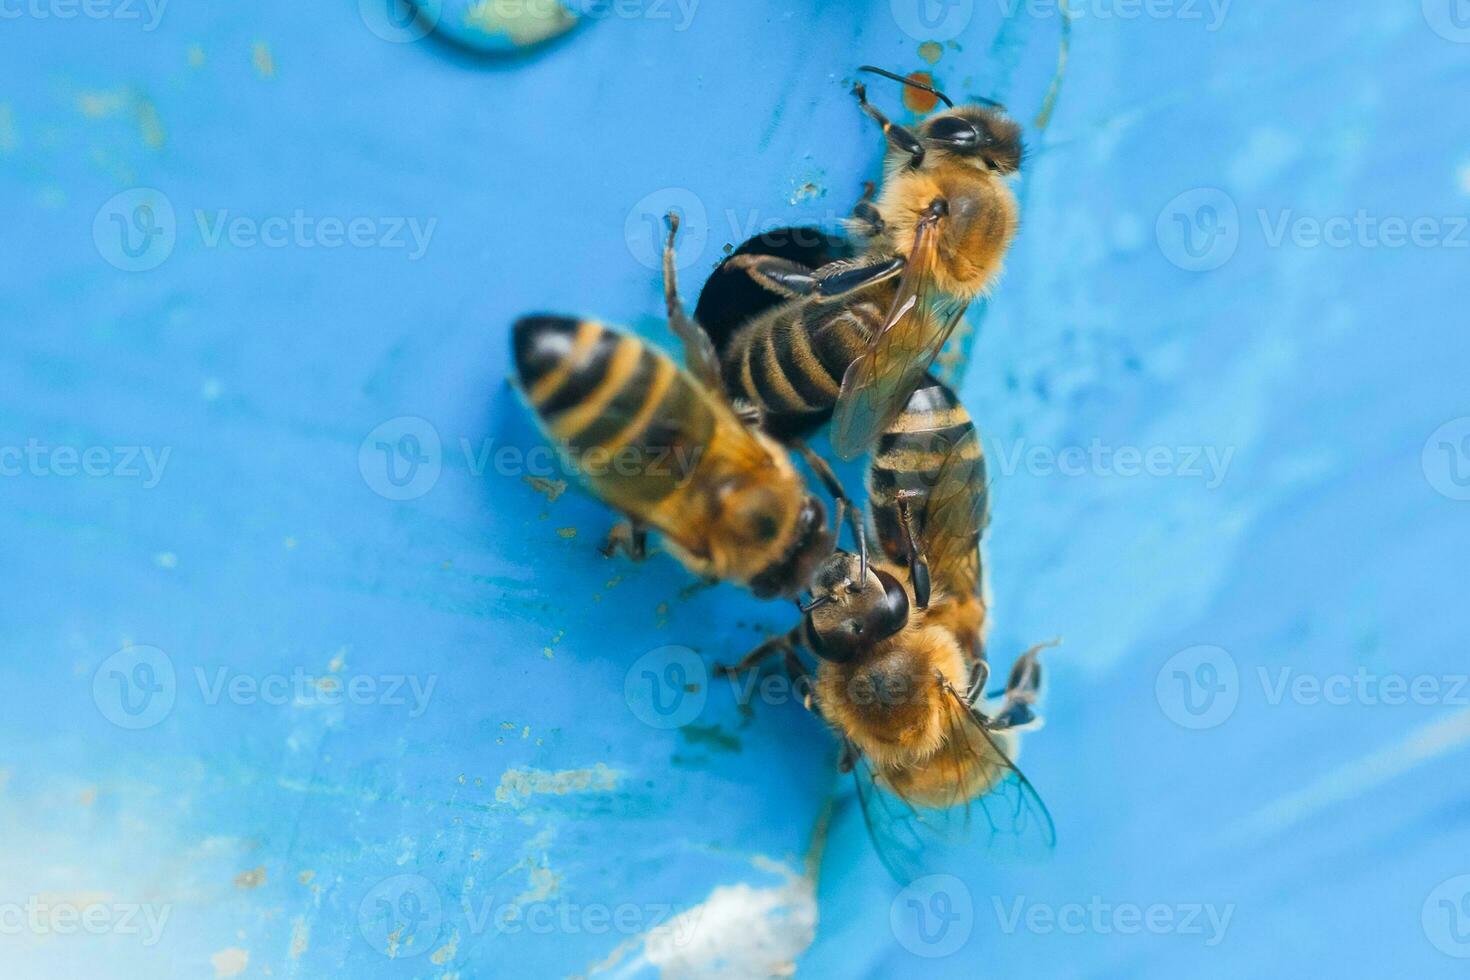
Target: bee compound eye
<point>954,133</point>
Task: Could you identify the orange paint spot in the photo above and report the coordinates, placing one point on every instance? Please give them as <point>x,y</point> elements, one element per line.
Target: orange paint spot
<point>917,101</point>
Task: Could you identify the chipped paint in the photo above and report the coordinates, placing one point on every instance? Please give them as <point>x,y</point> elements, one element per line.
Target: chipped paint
<point>446,952</point>
<point>196,56</point>
<point>263,60</point>
<point>229,962</point>
<point>519,785</point>
<point>253,878</point>
<point>571,532</point>
<point>931,51</point>
<point>552,489</point>
<point>522,24</point>
<point>300,937</point>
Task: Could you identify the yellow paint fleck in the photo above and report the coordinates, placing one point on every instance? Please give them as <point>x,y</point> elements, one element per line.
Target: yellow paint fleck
<point>263,60</point>
<point>519,785</point>
<point>149,125</point>
<point>461,775</point>
<point>552,489</point>
<point>547,651</point>
<point>196,56</point>
<point>251,879</point>
<point>571,532</point>
<point>510,726</point>
<point>931,51</point>
<point>446,952</point>
<point>87,796</point>
<point>290,544</point>
<point>101,104</point>
<point>306,876</point>
<point>616,580</point>
<point>229,962</point>
<point>8,140</point>
<point>526,732</point>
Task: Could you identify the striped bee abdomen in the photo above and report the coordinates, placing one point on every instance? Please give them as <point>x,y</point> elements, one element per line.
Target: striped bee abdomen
<point>790,361</point>
<point>627,420</point>
<point>908,459</point>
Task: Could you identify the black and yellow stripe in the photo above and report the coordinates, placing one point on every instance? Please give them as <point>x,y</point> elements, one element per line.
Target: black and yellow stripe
<point>605,396</point>
<point>790,362</point>
<point>909,457</point>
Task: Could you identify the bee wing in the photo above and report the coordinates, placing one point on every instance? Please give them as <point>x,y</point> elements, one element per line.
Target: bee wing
<point>955,516</point>
<point>878,384</point>
<point>913,839</point>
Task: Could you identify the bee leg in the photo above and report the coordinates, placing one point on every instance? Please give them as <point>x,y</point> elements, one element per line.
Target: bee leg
<point>898,137</point>
<point>780,276</point>
<point>918,567</point>
<point>850,279</point>
<point>845,506</point>
<point>785,643</point>
<point>630,536</point>
<point>699,350</point>
<point>801,678</point>
<point>1023,690</point>
<point>866,218</point>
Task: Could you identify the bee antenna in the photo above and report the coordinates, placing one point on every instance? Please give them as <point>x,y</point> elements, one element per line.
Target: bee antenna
<point>911,83</point>
<point>816,603</point>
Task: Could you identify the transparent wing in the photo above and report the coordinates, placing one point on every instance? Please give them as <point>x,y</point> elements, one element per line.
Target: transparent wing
<point>878,384</point>
<point>973,798</point>
<point>955,516</point>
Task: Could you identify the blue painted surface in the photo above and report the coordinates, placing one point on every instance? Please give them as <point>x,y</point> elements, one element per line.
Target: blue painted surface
<point>268,548</point>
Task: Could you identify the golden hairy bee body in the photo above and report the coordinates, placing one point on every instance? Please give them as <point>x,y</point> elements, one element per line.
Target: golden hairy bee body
<point>655,444</point>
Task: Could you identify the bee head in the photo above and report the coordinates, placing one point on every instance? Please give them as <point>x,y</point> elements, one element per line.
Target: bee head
<point>981,134</point>
<point>811,543</point>
<point>844,618</point>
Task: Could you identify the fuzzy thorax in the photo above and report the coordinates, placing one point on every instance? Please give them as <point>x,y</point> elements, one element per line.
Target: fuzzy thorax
<point>974,235</point>
<point>891,703</point>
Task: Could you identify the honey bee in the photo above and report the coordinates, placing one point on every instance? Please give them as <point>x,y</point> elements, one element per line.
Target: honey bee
<point>661,444</point>
<point>856,336</point>
<point>901,669</point>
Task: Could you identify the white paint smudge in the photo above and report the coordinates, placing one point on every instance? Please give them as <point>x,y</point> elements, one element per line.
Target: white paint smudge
<point>740,931</point>
<point>519,785</point>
